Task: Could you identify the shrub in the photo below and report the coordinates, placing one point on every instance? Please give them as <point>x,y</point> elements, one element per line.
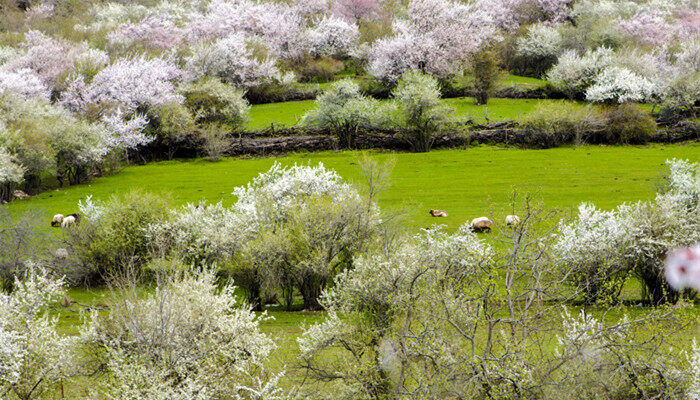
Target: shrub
<point>418,109</point>
<point>191,336</point>
<point>21,240</point>
<point>33,355</point>
<point>319,70</point>
<point>484,65</point>
<point>212,101</point>
<point>625,123</point>
<point>113,235</point>
<point>344,110</point>
<point>551,125</point>
<point>540,48</point>
<point>682,96</point>
<point>216,141</point>
<point>172,124</point>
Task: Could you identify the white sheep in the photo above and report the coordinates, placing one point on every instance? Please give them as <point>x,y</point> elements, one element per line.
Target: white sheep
<point>481,224</point>
<point>57,220</point>
<point>512,220</point>
<point>68,221</point>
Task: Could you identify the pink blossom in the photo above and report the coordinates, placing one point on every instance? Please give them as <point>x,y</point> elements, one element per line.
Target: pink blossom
<point>156,32</point>
<point>356,10</point>
<point>647,27</point>
<point>23,82</point>
<point>683,268</point>
<point>52,59</point>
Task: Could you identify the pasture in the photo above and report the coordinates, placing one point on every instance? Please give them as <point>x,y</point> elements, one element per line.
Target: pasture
<point>467,183</point>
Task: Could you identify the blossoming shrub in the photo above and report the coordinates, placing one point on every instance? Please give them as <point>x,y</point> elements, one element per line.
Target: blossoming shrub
<point>344,110</point>
<point>603,248</point>
<point>33,355</point>
<point>113,235</point>
<point>418,110</point>
<point>190,339</point>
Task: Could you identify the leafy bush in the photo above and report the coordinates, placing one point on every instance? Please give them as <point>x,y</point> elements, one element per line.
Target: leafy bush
<point>603,248</point>
<point>624,124</point>
<point>418,110</point>
<point>21,240</point>
<point>344,110</point>
<point>540,48</point>
<point>212,101</point>
<point>113,235</point>
<point>319,70</point>
<point>173,125</point>
<point>216,141</point>
<point>189,337</point>
<point>559,123</point>
<point>484,65</point>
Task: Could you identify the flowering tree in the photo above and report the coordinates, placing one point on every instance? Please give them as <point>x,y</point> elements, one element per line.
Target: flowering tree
<point>153,32</point>
<point>11,172</point>
<point>52,59</point>
<point>540,47</point>
<point>190,339</point>
<point>126,134</point>
<point>574,73</point>
<point>620,85</point>
<point>23,82</point>
<point>603,248</point>
<point>231,60</point>
<point>133,84</point>
<point>436,37</point>
<point>356,10</point>
<point>419,111</point>
<point>332,36</point>
<point>33,354</point>
<point>343,109</point>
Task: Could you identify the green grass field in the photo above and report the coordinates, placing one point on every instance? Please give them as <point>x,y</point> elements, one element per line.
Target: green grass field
<point>498,109</point>
<point>468,183</point>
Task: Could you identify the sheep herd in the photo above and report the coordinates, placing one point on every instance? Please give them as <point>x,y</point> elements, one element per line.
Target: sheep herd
<point>64,222</point>
<point>481,224</point>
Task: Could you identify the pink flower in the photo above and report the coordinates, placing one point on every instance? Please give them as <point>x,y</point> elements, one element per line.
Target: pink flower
<point>683,268</point>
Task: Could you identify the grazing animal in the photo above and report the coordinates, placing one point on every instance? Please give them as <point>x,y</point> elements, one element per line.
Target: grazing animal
<point>68,221</point>
<point>481,224</point>
<point>57,219</point>
<point>512,220</point>
<point>438,213</point>
<point>77,218</point>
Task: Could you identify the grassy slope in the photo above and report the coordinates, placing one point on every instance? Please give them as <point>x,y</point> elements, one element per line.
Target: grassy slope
<point>467,183</point>
<point>290,113</point>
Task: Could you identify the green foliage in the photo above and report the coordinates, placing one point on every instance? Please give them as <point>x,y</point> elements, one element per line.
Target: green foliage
<point>173,125</point>
<point>212,101</point>
<point>486,73</point>
<point>344,110</point>
<point>418,110</point>
<point>626,124</point>
<point>115,237</point>
<point>319,70</point>
<point>560,123</point>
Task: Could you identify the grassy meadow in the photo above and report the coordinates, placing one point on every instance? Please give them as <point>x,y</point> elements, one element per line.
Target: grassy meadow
<point>467,183</point>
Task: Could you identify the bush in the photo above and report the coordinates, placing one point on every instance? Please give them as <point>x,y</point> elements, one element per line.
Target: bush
<point>319,70</point>
<point>211,101</point>
<point>484,65</point>
<point>21,240</point>
<point>625,124</point>
<point>418,110</point>
<point>173,125</point>
<point>344,110</point>
<point>216,141</point>
<point>539,49</point>
<point>190,336</point>
<point>551,125</point>
<point>113,235</point>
